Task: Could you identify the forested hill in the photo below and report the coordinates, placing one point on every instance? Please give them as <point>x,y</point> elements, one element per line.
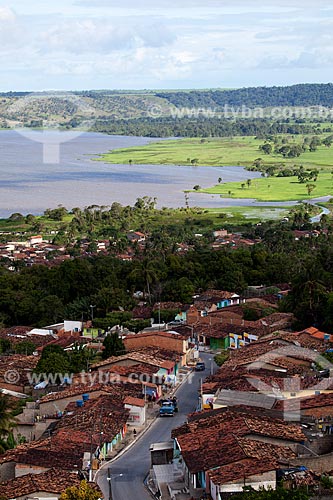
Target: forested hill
<point>295,95</point>
<point>136,111</point>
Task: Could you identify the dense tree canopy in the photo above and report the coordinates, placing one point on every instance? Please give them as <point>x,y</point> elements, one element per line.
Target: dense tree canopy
<point>41,295</point>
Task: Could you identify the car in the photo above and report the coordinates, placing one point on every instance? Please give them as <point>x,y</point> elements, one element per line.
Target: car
<point>200,366</point>
<point>176,322</point>
<point>167,409</point>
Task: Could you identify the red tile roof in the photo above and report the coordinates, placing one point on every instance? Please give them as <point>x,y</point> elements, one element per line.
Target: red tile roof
<point>52,481</point>
<point>241,470</point>
<point>240,422</point>
<point>201,452</point>
<point>120,390</point>
<point>134,401</point>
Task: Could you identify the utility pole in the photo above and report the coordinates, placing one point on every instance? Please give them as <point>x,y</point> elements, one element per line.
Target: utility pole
<point>109,481</point>
<point>92,314</point>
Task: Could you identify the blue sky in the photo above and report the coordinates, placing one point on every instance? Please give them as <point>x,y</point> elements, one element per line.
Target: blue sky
<point>136,44</point>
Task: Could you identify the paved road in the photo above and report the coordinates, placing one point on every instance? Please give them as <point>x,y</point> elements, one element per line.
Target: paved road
<point>135,463</point>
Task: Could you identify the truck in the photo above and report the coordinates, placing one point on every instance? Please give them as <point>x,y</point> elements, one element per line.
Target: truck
<point>168,407</point>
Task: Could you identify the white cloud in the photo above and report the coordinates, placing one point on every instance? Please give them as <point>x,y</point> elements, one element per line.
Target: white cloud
<point>104,43</point>
<point>97,36</point>
<point>7,14</point>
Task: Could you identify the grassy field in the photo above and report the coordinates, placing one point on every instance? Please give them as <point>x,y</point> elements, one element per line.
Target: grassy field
<point>275,189</point>
<point>214,152</point>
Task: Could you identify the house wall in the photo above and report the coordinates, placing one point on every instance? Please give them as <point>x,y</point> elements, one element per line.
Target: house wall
<point>91,332</point>
<point>319,446</point>
<point>319,412</point>
<point>72,326</point>
<point>321,464</point>
<point>137,415</point>
<point>223,303</point>
<point>7,471</point>
<point>206,399</point>
<point>24,469</point>
<point>39,495</point>
<point>280,442</point>
<point>15,388</point>
<point>134,342</point>
<point>122,362</point>
<point>266,480</point>
<point>181,316</point>
<point>31,432</point>
<point>52,407</point>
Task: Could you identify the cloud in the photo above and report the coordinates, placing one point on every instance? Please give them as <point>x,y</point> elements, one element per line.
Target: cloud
<point>7,14</point>
<point>185,4</point>
<point>97,36</point>
<point>104,43</point>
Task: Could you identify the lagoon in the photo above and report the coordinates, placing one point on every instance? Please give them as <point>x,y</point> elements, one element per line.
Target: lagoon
<point>29,185</point>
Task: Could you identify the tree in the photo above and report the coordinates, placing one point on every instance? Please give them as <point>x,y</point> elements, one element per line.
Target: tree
<point>266,148</point>
<point>26,347</point>
<point>4,345</point>
<point>30,219</point>
<point>249,182</point>
<point>328,141</point>
<point>6,421</point>
<point>113,346</point>
<point>315,142</point>
<point>145,273</point>
<point>221,358</point>
<point>54,363</point>
<point>219,180</point>
<point>310,188</point>
<point>257,163</point>
<point>16,217</point>
<point>83,492</point>
<point>56,213</point>
<point>196,187</point>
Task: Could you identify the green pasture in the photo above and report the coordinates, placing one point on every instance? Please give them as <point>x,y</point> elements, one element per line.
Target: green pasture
<point>215,152</point>
<point>275,188</point>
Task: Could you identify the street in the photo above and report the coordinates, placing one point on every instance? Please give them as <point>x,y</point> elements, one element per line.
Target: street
<point>129,471</point>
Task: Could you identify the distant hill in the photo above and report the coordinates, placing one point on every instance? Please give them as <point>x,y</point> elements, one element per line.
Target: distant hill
<point>108,108</point>
<point>296,95</point>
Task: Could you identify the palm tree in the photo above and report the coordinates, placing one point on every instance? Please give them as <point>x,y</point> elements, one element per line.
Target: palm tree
<point>145,272</point>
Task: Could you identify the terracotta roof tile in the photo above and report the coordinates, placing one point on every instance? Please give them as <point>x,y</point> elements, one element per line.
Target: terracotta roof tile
<point>134,401</point>
<point>123,390</point>
<point>242,469</point>
<point>201,453</point>
<point>52,481</point>
<point>240,422</point>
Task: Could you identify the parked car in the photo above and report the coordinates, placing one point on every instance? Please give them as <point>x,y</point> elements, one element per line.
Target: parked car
<point>200,366</point>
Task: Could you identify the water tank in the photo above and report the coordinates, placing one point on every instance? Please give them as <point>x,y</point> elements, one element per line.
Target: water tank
<point>79,403</point>
<point>85,397</point>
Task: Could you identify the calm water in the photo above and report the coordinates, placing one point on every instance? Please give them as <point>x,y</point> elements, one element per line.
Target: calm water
<point>28,185</point>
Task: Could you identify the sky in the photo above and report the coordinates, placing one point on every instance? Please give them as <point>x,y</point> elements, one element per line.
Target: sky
<point>164,44</point>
